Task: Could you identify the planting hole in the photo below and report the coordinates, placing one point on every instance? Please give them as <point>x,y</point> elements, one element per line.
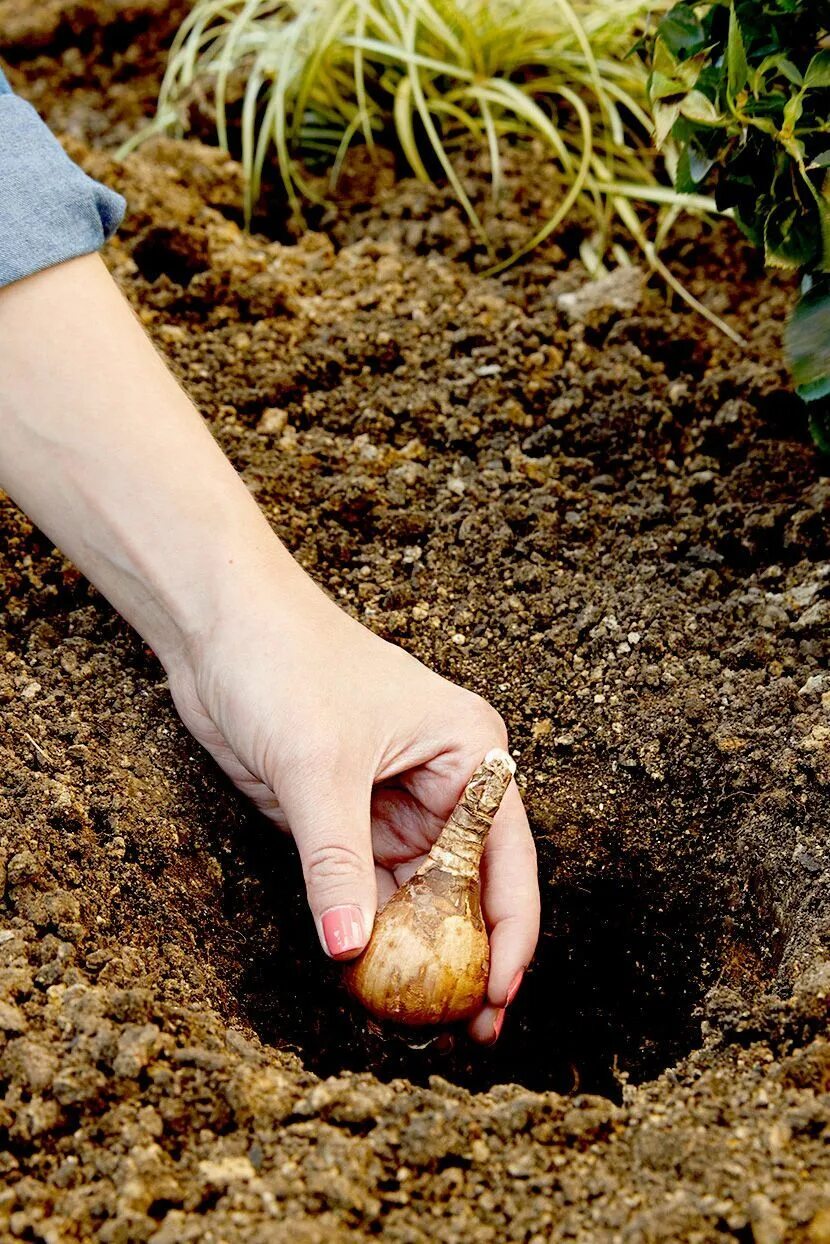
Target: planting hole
<point>637,924</point>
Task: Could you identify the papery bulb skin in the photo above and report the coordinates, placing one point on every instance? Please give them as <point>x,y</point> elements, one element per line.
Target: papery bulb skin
<point>429,955</point>
<point>428,958</point>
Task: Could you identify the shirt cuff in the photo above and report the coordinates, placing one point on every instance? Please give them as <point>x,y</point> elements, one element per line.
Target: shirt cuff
<point>50,210</point>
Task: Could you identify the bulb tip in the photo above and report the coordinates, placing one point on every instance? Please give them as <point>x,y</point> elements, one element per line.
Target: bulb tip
<point>498,755</point>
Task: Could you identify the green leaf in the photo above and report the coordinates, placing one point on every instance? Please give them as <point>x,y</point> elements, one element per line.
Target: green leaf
<point>793,110</point>
<point>697,107</point>
<point>692,166</point>
<point>683,179</point>
<point>681,31</point>
<point>823,204</point>
<point>663,89</point>
<point>683,73</point>
<point>822,160</point>
<point>818,71</point>
<point>665,116</point>
<point>820,425</point>
<point>783,66</point>
<point>808,341</point>
<point>736,64</point>
<point>700,162</point>
<point>790,235</point>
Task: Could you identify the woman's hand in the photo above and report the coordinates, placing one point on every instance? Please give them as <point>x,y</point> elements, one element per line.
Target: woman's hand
<point>361,752</point>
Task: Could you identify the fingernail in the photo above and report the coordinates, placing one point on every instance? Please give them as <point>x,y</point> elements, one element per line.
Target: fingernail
<point>497,1026</point>
<point>514,986</point>
<point>343,929</point>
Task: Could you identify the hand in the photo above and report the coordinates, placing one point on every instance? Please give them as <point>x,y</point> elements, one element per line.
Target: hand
<point>362,752</point>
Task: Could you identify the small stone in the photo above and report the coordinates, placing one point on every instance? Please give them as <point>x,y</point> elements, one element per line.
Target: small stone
<point>730,743</point>
<point>488,369</point>
<point>221,1172</point>
<point>30,1063</point>
<point>522,1166</point>
<point>768,1227</point>
<point>620,290</point>
<point>12,1018</point>
<point>704,556</point>
<point>817,617</point>
<point>804,594</point>
<point>817,740</point>
<point>810,862</point>
<point>30,690</point>
<point>542,728</point>
<point>420,612</point>
<point>273,421</point>
<point>136,1046</point>
<point>22,867</point>
<point>633,637</point>
<point>814,685</point>
<point>459,639</point>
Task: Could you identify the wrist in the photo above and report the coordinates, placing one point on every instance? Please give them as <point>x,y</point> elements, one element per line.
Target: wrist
<point>248,596</point>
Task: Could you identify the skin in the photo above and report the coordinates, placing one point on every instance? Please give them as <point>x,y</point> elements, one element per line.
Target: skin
<point>343,739</point>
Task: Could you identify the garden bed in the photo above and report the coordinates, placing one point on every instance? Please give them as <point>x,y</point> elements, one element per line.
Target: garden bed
<point>585,504</point>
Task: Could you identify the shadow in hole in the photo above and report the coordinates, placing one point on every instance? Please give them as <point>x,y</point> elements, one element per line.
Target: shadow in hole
<point>623,963</point>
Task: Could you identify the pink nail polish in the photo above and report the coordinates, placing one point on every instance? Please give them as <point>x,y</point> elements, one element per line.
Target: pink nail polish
<point>497,1026</point>
<point>514,986</point>
<point>343,929</point>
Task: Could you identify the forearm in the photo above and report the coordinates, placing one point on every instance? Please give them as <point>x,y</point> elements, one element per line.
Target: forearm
<point>104,451</point>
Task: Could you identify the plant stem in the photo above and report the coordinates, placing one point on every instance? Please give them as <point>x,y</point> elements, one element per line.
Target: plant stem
<point>460,844</point>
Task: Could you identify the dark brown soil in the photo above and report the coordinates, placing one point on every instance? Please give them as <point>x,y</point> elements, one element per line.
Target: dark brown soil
<point>610,523</point>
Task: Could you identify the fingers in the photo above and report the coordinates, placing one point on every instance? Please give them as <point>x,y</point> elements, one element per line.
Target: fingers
<point>386,885</point>
<point>402,828</point>
<point>485,1028</point>
<point>331,827</point>
<point>510,899</point>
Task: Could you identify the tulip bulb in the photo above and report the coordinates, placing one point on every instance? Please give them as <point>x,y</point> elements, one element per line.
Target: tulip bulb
<point>428,958</point>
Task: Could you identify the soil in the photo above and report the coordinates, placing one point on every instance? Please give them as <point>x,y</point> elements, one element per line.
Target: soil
<point>578,500</point>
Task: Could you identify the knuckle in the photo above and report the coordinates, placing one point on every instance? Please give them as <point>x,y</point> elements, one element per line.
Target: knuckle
<point>331,863</point>
<point>490,719</point>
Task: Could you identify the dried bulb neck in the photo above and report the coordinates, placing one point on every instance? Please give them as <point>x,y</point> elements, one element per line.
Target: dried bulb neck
<point>459,846</point>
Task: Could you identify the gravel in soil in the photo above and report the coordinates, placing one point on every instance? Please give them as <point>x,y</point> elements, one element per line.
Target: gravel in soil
<point>586,505</point>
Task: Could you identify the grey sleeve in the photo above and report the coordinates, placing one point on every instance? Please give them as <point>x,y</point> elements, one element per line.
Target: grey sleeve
<point>50,210</point>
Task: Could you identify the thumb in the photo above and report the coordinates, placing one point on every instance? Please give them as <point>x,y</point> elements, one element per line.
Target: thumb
<point>332,830</point>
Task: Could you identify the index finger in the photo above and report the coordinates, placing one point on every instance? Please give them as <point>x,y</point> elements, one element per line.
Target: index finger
<point>510,901</point>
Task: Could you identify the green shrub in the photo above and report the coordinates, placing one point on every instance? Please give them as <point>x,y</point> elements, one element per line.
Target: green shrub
<point>742,89</point>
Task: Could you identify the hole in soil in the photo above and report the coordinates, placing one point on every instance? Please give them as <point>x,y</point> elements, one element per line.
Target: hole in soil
<point>633,936</point>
